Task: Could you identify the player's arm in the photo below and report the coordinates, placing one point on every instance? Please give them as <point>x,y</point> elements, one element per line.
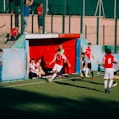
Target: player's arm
<point>100,64</point>
<point>31,3</point>
<point>65,58</point>
<point>92,56</point>
<point>103,62</point>
<point>53,60</point>
<point>68,62</point>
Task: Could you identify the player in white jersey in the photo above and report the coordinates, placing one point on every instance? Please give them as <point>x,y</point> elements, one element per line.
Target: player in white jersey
<point>33,71</point>
<point>84,62</point>
<point>116,69</point>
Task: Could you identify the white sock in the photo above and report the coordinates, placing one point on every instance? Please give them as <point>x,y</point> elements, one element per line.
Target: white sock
<point>87,70</point>
<point>54,75</point>
<point>105,83</point>
<point>110,83</point>
<point>84,69</point>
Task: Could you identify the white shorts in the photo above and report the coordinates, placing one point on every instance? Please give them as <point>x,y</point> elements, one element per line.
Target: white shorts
<point>109,73</point>
<point>57,67</point>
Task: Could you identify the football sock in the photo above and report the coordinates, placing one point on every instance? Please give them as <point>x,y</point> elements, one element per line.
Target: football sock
<point>87,70</point>
<point>110,83</point>
<point>92,74</point>
<point>98,67</point>
<point>83,73</point>
<point>54,75</point>
<point>105,83</point>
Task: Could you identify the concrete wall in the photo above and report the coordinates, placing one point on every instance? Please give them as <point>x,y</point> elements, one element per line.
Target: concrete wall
<point>106,27</point>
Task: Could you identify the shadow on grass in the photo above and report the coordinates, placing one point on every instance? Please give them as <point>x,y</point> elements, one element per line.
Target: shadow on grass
<point>68,84</point>
<point>73,79</point>
<point>19,104</point>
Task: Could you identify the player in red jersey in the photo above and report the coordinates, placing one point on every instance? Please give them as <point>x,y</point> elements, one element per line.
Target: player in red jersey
<point>40,17</point>
<point>88,55</point>
<point>13,34</point>
<point>59,61</point>
<point>107,62</point>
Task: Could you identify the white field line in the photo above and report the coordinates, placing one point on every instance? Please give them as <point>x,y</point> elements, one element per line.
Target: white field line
<point>26,84</point>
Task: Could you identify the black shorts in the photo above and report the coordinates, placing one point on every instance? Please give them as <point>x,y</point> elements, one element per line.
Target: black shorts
<point>89,65</point>
<point>115,73</point>
<point>31,75</point>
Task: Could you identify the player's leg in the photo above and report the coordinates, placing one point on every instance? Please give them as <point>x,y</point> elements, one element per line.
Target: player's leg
<point>57,70</point>
<point>91,71</point>
<point>88,66</point>
<point>83,70</point>
<point>106,80</point>
<point>53,70</point>
<point>87,71</point>
<point>110,76</point>
<point>115,77</point>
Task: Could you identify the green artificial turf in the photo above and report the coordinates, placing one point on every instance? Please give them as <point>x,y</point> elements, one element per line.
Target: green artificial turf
<point>69,97</point>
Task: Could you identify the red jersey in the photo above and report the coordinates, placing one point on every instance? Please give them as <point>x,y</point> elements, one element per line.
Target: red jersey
<point>88,52</point>
<point>59,59</point>
<point>40,10</point>
<point>108,60</point>
<point>14,32</point>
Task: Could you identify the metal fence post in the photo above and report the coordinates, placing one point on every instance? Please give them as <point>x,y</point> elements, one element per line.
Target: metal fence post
<point>85,31</point>
<point>44,12</point>
<point>97,30</point>
<point>52,23</point>
<point>32,22</point>
<point>103,34</point>
<point>63,16</point>
<point>115,36</point>
<point>69,23</point>
<point>81,23</point>
<point>22,16</point>
<point>81,17</point>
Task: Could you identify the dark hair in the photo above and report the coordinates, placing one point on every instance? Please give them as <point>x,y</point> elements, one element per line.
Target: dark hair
<point>1,50</point>
<point>58,50</point>
<point>89,43</point>
<point>108,51</point>
<point>32,59</point>
<point>82,53</point>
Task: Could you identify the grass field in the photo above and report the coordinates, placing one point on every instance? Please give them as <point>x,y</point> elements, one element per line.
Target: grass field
<point>70,97</point>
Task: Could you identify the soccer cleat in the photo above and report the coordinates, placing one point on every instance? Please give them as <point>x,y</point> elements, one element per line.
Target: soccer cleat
<point>49,80</point>
<point>35,78</point>
<point>92,78</point>
<point>114,84</point>
<point>108,90</point>
<point>87,76</point>
<point>81,75</point>
<point>105,90</point>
